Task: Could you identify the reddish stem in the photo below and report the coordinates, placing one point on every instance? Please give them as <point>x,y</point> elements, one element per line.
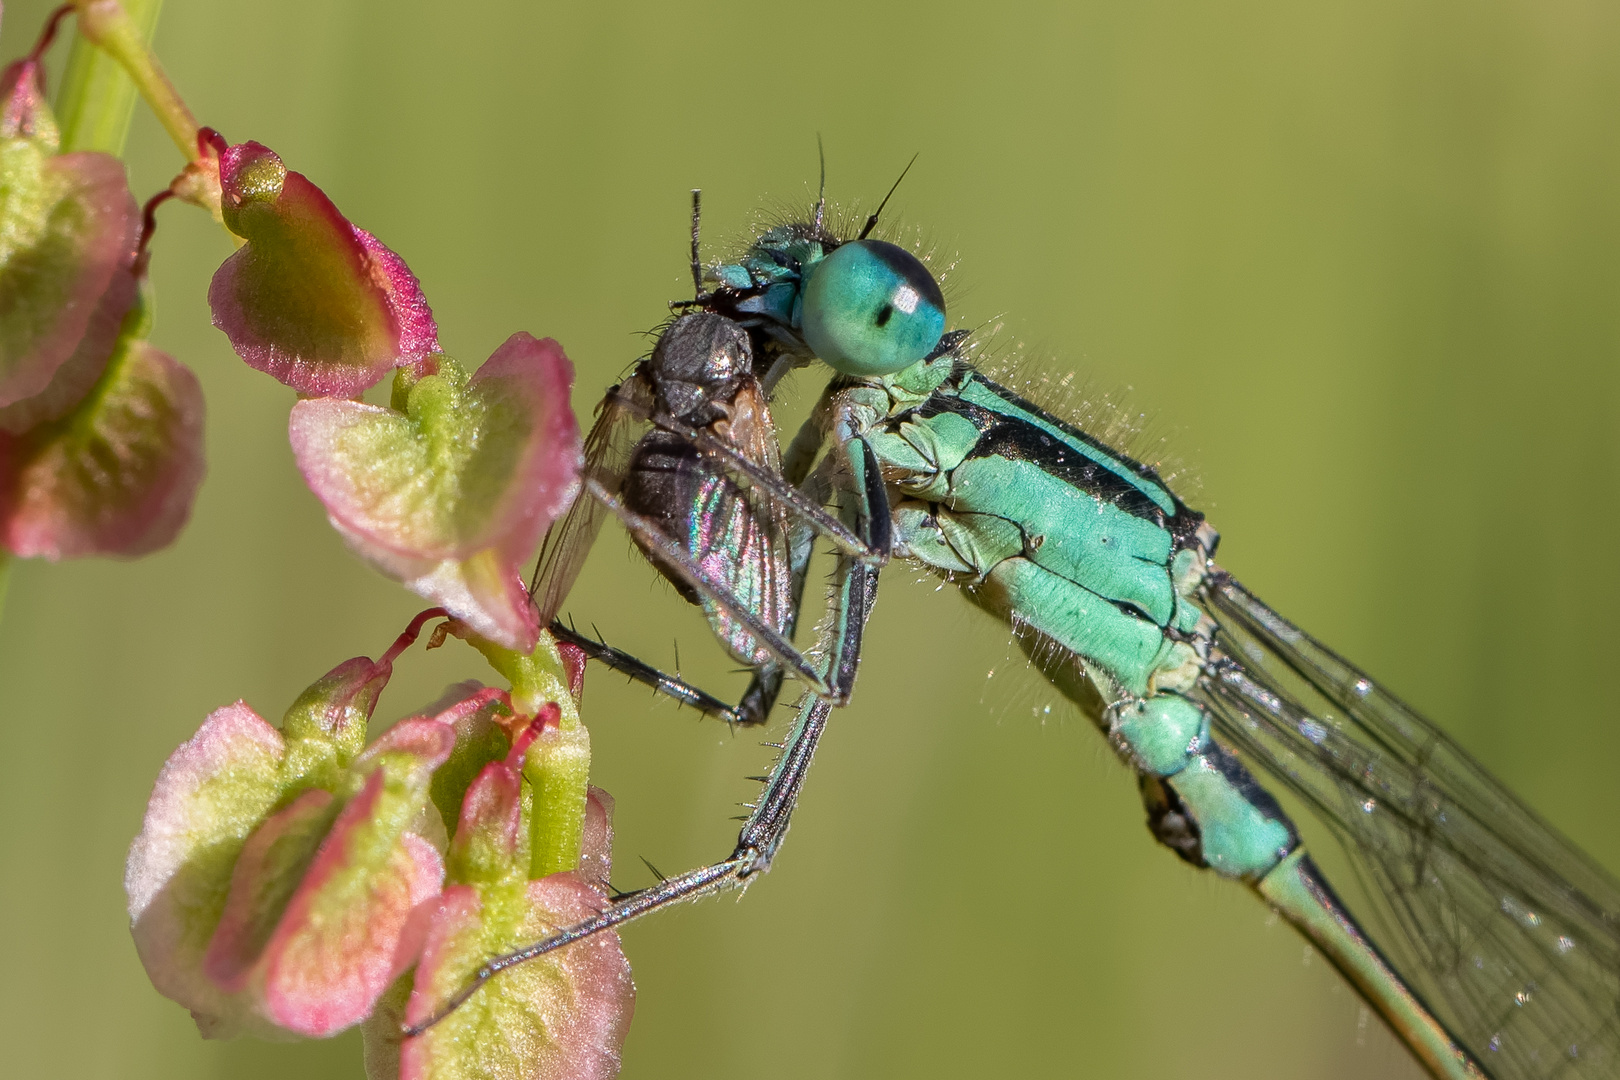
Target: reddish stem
<point>521,744</point>
<point>48,35</point>
<point>471,704</point>
<point>209,139</point>
<point>550,715</point>
<point>148,227</point>
<point>412,632</point>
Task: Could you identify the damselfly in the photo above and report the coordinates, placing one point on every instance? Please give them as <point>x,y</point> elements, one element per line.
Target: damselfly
<point>1498,942</point>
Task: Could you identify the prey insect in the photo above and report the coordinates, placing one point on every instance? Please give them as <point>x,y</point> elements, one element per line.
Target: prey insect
<point>1497,951</point>
<point>685,454</point>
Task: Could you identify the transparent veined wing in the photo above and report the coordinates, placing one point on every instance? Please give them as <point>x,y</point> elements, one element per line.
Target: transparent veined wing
<point>608,447</point>
<point>736,533</point>
<point>1508,931</point>
<point>740,535</point>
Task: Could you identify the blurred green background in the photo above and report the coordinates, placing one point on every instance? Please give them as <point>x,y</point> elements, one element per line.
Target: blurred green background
<point>1356,263</point>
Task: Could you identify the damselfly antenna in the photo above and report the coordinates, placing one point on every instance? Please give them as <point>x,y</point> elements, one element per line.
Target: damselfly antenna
<point>871,222</point>
<point>697,261</point>
<point>821,190</point>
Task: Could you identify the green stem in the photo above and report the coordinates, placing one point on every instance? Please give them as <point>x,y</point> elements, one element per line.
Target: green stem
<point>558,768</point>
<point>558,764</point>
<point>535,679</point>
<point>111,60</point>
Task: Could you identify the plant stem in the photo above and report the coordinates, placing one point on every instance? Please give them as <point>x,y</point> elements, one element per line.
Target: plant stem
<point>112,59</point>
<point>558,764</point>
<point>536,679</point>
<point>558,768</point>
<point>97,96</point>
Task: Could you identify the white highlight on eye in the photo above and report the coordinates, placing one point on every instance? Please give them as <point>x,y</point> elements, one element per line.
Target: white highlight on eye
<point>906,299</point>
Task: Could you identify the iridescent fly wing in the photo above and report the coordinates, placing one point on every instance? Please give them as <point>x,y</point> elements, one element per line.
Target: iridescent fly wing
<point>607,453</point>
<point>1508,931</point>
<point>740,535</point>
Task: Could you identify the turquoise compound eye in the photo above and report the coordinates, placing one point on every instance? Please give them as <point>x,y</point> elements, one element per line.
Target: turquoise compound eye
<point>871,308</point>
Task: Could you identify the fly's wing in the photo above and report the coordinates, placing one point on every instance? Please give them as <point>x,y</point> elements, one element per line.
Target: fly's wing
<point>607,453</point>
<point>1507,930</point>
<point>740,535</point>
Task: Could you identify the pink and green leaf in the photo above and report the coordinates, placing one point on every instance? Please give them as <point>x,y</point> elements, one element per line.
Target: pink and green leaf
<point>213,792</point>
<point>311,300</point>
<point>119,474</point>
<point>81,370</point>
<point>272,889</point>
<point>68,227</point>
<point>342,940</point>
<point>451,492</point>
<point>266,874</point>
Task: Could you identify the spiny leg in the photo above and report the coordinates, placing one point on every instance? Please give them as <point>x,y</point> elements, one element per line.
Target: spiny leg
<point>873,520</point>
<point>779,489</point>
<point>757,843</point>
<point>752,709</point>
<point>773,484</point>
<point>765,828</point>
<point>870,548</point>
<point>678,558</point>
<point>857,581</point>
<point>669,685</point>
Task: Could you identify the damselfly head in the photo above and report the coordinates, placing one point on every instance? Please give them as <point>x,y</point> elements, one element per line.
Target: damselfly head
<point>871,308</point>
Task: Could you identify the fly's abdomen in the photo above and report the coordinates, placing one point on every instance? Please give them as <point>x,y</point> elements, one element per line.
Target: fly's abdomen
<point>661,484</point>
<point>696,503</point>
<point>748,550</point>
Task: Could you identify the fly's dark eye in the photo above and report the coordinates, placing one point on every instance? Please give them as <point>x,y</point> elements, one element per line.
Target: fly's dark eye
<point>871,308</point>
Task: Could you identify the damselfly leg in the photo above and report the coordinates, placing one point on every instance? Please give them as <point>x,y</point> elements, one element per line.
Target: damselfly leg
<point>766,826</point>
<point>757,844</point>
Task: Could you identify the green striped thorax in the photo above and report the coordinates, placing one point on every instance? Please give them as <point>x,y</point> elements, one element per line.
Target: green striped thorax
<point>1049,527</point>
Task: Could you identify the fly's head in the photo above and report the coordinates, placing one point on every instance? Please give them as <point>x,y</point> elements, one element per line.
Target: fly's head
<point>698,366</point>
